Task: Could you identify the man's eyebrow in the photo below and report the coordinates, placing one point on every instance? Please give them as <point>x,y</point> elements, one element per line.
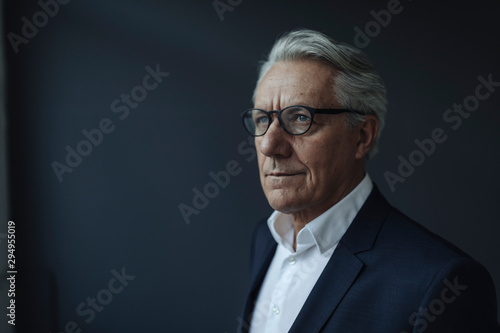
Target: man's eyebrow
<point>288,105</point>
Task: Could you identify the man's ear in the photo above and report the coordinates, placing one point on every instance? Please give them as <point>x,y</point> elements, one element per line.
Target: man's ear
<point>367,132</point>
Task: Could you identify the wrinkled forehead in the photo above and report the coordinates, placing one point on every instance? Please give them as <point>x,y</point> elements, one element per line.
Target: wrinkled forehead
<point>303,82</point>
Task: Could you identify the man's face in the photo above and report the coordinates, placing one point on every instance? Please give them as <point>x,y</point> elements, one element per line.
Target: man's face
<point>304,175</point>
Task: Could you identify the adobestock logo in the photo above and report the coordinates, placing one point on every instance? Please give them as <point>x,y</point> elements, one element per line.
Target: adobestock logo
<point>218,181</point>
<point>421,319</point>
<point>455,116</point>
<point>29,30</point>
<point>93,305</point>
<point>373,28</point>
<point>95,136</point>
<point>221,7</point>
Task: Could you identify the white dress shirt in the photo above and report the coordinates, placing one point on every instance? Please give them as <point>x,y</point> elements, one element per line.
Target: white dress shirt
<point>292,274</point>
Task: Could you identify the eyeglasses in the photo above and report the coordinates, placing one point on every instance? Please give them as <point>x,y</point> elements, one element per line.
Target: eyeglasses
<point>295,119</point>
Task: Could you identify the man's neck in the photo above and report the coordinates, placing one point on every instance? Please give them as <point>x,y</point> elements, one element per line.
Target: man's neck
<point>301,218</point>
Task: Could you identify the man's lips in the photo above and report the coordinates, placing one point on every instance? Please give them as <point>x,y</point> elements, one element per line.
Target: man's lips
<point>282,174</point>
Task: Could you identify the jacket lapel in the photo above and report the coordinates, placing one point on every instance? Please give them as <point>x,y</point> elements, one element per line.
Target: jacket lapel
<point>344,266</point>
<point>263,252</point>
<point>332,285</point>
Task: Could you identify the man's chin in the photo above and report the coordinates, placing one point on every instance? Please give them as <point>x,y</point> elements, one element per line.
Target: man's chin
<point>282,204</point>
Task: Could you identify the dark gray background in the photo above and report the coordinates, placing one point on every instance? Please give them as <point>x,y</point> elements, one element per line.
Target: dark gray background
<point>119,208</point>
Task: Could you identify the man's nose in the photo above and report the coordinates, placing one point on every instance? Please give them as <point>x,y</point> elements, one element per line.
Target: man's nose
<point>276,142</point>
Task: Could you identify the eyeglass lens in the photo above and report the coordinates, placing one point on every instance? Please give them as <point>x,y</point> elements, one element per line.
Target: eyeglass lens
<point>295,120</point>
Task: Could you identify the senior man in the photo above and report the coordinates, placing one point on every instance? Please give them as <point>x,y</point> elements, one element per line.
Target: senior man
<point>335,256</point>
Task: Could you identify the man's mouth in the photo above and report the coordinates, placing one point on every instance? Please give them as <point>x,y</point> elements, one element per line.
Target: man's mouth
<point>283,174</point>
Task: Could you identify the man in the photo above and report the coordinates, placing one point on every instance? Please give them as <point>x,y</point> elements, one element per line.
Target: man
<point>335,256</point>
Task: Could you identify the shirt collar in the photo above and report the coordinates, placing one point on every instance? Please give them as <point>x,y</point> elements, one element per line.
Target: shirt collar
<point>326,230</point>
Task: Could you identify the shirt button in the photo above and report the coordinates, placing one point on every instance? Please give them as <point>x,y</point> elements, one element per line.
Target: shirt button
<point>276,310</point>
<point>291,260</point>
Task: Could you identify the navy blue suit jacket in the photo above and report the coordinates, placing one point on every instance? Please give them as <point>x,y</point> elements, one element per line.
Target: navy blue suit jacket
<point>388,274</point>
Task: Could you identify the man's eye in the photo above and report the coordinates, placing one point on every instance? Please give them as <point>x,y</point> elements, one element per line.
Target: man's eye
<point>302,118</point>
<point>261,120</point>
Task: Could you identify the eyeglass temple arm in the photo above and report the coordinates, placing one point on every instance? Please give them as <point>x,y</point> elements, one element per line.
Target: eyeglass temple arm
<point>337,111</point>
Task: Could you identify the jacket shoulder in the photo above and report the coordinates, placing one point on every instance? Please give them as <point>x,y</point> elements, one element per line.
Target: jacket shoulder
<point>409,237</point>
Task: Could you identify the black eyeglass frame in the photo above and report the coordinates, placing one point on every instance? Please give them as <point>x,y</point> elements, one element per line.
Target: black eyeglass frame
<point>311,110</point>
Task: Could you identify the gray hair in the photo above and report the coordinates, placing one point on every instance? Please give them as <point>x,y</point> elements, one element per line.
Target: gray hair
<point>357,86</point>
